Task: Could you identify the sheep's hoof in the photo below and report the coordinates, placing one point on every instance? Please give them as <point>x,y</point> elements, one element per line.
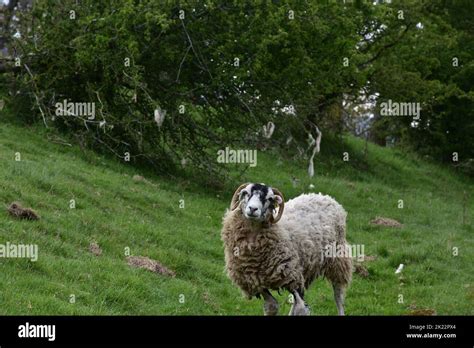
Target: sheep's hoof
<point>300,310</point>
<point>270,308</point>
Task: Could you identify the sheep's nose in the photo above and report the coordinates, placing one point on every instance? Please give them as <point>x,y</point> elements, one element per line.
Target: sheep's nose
<point>252,210</point>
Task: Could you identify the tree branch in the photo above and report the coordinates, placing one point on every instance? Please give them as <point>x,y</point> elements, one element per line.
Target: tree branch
<point>384,48</point>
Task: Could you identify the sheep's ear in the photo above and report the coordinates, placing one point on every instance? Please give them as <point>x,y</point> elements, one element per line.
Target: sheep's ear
<point>278,199</point>
<point>281,206</point>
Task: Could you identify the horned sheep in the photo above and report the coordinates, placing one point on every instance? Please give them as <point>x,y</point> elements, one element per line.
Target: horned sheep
<point>264,252</point>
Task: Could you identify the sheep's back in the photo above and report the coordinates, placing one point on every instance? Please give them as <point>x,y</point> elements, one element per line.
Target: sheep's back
<point>313,221</point>
<point>312,214</point>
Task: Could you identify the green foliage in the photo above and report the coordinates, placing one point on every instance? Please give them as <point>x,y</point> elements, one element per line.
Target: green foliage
<point>231,65</point>
<point>221,70</point>
<point>433,65</point>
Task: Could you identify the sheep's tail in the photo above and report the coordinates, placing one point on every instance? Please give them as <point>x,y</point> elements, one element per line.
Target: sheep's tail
<point>339,269</point>
<point>341,234</point>
<point>341,228</point>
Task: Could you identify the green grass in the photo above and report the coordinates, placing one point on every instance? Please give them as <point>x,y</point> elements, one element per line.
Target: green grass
<point>117,212</point>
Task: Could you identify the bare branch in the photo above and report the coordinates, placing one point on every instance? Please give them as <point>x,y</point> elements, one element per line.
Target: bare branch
<point>384,48</point>
<point>36,94</point>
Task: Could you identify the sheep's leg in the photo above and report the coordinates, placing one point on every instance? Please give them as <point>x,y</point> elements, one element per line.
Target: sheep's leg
<point>299,307</point>
<point>339,292</point>
<point>270,307</point>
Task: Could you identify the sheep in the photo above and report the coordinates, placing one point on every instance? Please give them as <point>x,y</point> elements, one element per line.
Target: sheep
<point>288,251</point>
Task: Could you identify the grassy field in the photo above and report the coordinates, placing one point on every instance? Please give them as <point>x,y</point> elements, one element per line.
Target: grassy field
<point>145,216</point>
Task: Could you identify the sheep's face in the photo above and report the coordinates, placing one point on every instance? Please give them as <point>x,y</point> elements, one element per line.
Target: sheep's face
<point>257,202</point>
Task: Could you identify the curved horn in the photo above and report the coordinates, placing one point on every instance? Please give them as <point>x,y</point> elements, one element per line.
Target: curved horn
<point>235,198</point>
<point>281,207</point>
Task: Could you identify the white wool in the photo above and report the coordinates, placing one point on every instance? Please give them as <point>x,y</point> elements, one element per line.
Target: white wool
<point>159,116</point>
<point>399,269</point>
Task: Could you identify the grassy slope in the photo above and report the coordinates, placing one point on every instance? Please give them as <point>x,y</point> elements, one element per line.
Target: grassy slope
<point>117,212</point>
